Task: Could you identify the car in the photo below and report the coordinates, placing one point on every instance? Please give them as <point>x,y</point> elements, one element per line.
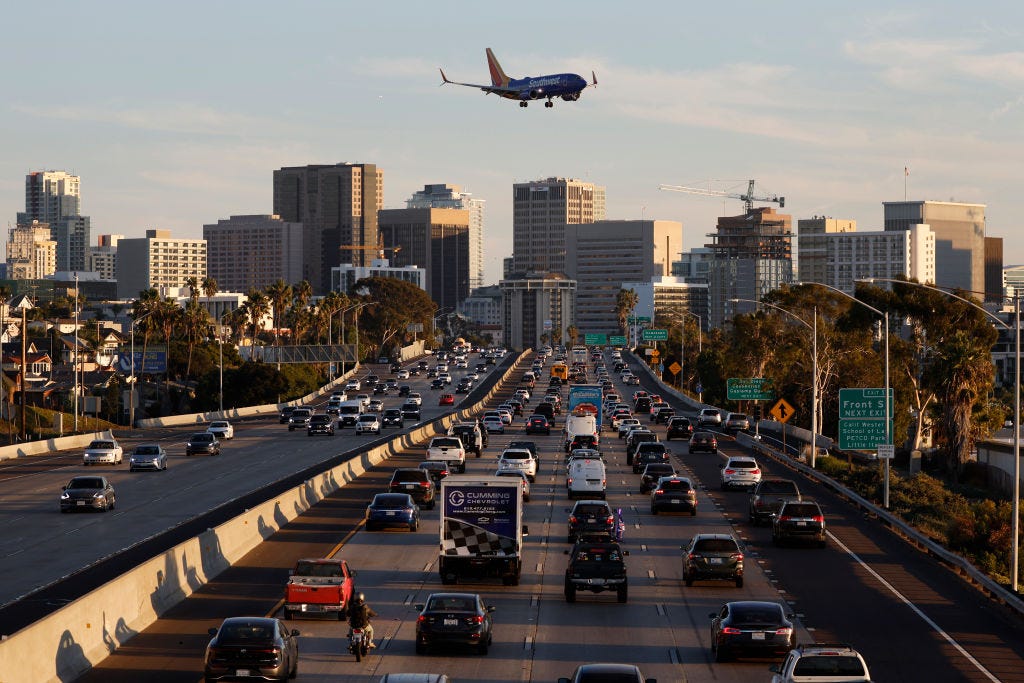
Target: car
<point>740,471</point>
<point>454,619</point>
<point>299,418</point>
<point>364,399</point>
<point>446,400</point>
<point>526,445</point>
<point>505,414</point>
<point>799,521</point>
<point>625,424</point>
<point>375,405</point>
<point>414,397</point>
<point>663,415</point>
<point>416,482</point>
<point>368,423</point>
<point>285,413</point>
<point>87,493</point>
<point>647,453</point>
<point>148,456</point>
<point>392,417</point>
<point>703,441</point>
<point>591,520</point>
<point>709,416</point>
<point>636,437</point>
<point>751,627</point>
<point>436,470</point>
<point>222,429</point>
<point>518,459</point>
<point>404,390</point>
<point>607,673</point>
<point>679,428</point>
<point>652,473</point>
<point>736,422</point>
<point>674,494</point>
<point>320,424</point>
<point>517,474</point>
<point>655,406</point>
<point>402,374</point>
<point>411,411</point>
<point>471,435</point>
<point>380,389</point>
<point>101,451</point>
<point>631,379</point>
<point>463,387</point>
<point>546,409</point>
<point>389,510</point>
<point>203,443</point>
<point>538,424</point>
<point>494,424</point>
<point>768,496</point>
<point>353,385</point>
<point>252,647</point>
<point>821,661</point>
<point>713,557</point>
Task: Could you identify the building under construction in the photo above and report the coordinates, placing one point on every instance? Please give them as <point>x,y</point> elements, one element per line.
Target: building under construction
<point>752,255</point>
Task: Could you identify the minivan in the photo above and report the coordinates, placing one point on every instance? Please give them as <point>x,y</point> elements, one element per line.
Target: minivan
<point>586,478</point>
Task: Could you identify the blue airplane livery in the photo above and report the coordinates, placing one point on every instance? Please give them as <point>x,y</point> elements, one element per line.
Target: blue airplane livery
<point>566,86</point>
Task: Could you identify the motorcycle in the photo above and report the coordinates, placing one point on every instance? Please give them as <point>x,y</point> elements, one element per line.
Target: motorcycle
<point>358,644</point>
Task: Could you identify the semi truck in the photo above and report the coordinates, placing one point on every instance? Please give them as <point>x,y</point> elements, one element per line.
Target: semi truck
<point>481,529</point>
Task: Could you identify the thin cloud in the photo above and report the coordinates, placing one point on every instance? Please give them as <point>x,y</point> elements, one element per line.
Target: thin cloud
<point>172,118</point>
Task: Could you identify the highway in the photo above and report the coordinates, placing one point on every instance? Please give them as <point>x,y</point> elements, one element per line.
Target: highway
<point>910,618</point>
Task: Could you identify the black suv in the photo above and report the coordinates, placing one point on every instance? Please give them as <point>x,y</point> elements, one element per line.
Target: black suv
<point>590,518</point>
<point>679,428</point>
<point>634,440</point>
<point>768,496</point>
<point>320,424</point>
<point>713,556</point>
<point>411,411</point>
<point>392,417</point>
<point>416,482</point>
<point>286,413</point>
<point>703,441</point>
<point>652,473</point>
<point>674,494</point>
<point>799,521</point>
<point>648,453</point>
<point>596,567</point>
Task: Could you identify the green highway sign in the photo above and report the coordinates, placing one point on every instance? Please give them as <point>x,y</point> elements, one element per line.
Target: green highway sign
<point>748,389</point>
<point>595,339</point>
<point>863,404</point>
<point>654,335</point>
<point>862,434</point>
<point>638,319</point>
<point>616,340</point>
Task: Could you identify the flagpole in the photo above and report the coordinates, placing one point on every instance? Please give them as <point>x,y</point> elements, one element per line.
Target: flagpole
<point>906,172</point>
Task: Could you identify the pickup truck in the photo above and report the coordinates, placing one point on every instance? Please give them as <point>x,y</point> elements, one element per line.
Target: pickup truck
<point>470,435</point>
<point>768,497</point>
<point>822,663</point>
<point>450,450</point>
<point>596,567</point>
<point>319,586</point>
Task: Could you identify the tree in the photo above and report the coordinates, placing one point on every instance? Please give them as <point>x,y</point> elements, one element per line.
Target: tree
<point>572,335</point>
<point>299,313</point>
<point>257,307</point>
<point>280,293</point>
<point>625,301</point>
<point>196,320</point>
<point>143,312</point>
<point>396,305</point>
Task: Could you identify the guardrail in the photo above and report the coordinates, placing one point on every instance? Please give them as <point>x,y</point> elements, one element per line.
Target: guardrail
<point>68,642</point>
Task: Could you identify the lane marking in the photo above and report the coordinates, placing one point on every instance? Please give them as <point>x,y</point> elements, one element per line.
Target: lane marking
<point>985,672</point>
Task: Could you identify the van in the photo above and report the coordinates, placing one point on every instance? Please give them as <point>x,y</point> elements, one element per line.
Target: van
<point>585,478</point>
<point>579,425</point>
<point>349,412</point>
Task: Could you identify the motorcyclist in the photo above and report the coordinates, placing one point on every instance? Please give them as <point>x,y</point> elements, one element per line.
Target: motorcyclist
<point>359,615</point>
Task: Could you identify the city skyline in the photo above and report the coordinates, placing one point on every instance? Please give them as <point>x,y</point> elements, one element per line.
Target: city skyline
<point>184,127</point>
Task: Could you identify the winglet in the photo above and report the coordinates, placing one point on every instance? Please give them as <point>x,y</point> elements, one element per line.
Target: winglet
<point>444,79</point>
<point>594,76</point>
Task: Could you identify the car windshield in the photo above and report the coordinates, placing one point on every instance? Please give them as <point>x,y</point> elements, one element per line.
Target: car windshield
<point>828,665</point>
<point>742,464</point>
<point>369,417</point>
<point>590,510</point>
<point>515,455</point>
<point>202,437</point>
<point>243,633</point>
<point>101,445</point>
<point>218,424</point>
<point>323,569</point>
<point>445,443</point>
<point>760,614</point>
<point>675,485</point>
<point>390,500</point>
<point>771,486</point>
<point>657,470</point>
<point>147,450</point>
<point>801,510</point>
<point>321,419</point>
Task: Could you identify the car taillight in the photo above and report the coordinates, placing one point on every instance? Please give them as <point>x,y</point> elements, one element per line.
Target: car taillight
<point>421,619</point>
<point>609,520</point>
<point>426,484</point>
<point>659,492</point>
<point>572,519</point>
<point>475,619</point>
<point>785,518</point>
<point>737,556</point>
<point>731,631</point>
<point>569,481</point>
<point>755,471</point>
<point>730,472</point>
<point>818,518</point>
<point>783,631</point>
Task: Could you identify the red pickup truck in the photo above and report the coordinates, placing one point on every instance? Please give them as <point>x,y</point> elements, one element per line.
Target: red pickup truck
<point>319,586</point>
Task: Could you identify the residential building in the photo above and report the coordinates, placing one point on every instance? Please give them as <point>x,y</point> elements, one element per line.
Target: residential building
<point>436,240</point>
<point>159,261</point>
<point>959,238</point>
<point>541,210</point>
<point>345,276</point>
<point>71,234</point>
<point>103,257</point>
<point>51,196</point>
<point>752,255</point>
<point>832,252</point>
<point>247,252</point>
<point>600,256</point>
<point>693,265</point>
<point>31,254</point>
<point>338,206</point>
<point>665,296</point>
<point>537,307</point>
<point>440,196</point>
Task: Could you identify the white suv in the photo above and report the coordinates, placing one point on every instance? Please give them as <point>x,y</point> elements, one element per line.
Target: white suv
<point>368,423</point>
<point>518,459</point>
<point>709,416</point>
<point>740,472</point>
<point>821,661</point>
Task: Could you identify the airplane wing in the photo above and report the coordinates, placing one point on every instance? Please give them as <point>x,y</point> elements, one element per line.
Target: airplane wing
<point>497,90</point>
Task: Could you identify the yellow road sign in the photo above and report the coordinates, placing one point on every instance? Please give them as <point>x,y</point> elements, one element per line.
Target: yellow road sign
<point>782,411</point>
<point>675,368</point>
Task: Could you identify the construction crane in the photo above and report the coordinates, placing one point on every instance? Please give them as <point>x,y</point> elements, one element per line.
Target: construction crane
<point>748,198</point>
<point>379,248</point>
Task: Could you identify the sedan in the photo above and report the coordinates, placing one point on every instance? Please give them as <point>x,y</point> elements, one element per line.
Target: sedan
<point>703,441</point>
<point>148,456</point>
<point>393,510</point>
<point>203,443</point>
<point>494,424</point>
<point>222,429</point>
<point>103,451</point>
<point>402,374</point>
<point>446,400</point>
<point>454,619</point>
<point>603,673</point>
<point>751,627</point>
<point>392,417</point>
<point>87,493</point>
<point>252,647</point>
<point>679,428</point>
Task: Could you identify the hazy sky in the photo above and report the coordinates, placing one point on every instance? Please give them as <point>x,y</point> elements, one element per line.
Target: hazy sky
<point>176,114</point>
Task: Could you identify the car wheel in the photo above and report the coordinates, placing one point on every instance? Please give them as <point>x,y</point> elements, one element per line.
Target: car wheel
<point>421,647</point>
<point>433,502</point>
<point>288,615</point>
<point>687,579</point>
<point>739,582</point>
<point>571,538</point>
<point>570,593</point>
<point>623,593</point>
<point>721,655</point>
<point>822,543</point>
<point>414,527</point>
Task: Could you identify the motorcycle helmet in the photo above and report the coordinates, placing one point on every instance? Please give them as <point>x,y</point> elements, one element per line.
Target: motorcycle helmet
<point>360,598</point>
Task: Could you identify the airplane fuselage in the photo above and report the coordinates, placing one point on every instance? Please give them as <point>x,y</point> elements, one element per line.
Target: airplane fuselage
<point>565,86</point>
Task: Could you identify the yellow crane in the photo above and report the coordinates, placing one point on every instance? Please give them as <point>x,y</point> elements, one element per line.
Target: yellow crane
<point>748,198</point>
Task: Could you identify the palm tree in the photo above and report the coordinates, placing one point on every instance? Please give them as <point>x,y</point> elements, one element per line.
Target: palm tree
<point>209,287</point>
<point>280,293</point>
<point>573,333</point>
<point>143,310</point>
<point>257,307</point>
<point>195,318</point>
<point>625,301</point>
<point>192,282</point>
<point>301,294</point>
<point>168,314</point>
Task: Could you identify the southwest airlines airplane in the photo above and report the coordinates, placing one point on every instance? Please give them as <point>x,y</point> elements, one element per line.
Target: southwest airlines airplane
<point>566,86</point>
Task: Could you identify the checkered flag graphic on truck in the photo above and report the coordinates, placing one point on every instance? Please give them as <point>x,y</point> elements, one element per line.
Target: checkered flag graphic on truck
<point>465,539</point>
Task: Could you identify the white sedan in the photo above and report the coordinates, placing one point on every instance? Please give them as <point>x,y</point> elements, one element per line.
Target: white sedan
<point>368,423</point>
<point>221,429</point>
<point>627,424</point>
<point>103,451</point>
<point>402,374</point>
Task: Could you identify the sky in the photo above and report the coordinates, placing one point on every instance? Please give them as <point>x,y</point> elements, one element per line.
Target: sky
<point>176,114</point>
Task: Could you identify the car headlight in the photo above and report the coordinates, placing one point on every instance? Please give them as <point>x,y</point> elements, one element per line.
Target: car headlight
<point>98,495</point>
<point>65,496</point>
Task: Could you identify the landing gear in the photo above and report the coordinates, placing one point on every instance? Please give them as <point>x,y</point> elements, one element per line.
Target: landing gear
<point>549,104</point>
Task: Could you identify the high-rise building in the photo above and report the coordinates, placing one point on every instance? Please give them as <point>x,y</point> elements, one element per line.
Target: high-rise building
<point>158,261</point>
<point>671,298</point>
<point>103,257</point>
<point>994,269</point>
<point>452,197</point>
<point>832,252</point>
<point>50,196</point>
<point>345,276</point>
<point>436,240</point>
<point>536,308</point>
<point>752,255</point>
<point>246,252</point>
<point>338,205</point>
<point>600,256</point>
<point>31,254</point>
<point>71,234</point>
<point>959,238</point>
<point>541,210</point>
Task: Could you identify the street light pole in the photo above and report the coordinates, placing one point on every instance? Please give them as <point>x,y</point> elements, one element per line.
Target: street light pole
<point>75,368</point>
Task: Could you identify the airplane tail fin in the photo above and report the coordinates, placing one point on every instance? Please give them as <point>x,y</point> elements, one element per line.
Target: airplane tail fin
<point>594,76</point>
<point>498,77</point>
<point>444,79</point>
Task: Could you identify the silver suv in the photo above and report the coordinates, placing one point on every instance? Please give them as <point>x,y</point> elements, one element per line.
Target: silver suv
<point>736,422</point>
<point>709,416</point>
<point>821,661</point>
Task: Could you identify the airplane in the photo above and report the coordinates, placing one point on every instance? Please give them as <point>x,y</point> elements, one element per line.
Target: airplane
<point>566,86</point>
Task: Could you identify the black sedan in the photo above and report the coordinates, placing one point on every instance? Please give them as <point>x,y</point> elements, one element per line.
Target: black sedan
<point>751,627</point>
<point>252,647</point>
<point>87,493</point>
<point>454,619</point>
<point>703,441</point>
<point>203,443</point>
<point>393,510</point>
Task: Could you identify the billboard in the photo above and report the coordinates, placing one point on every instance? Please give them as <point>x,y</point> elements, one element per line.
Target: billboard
<point>586,399</point>
<point>155,361</point>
